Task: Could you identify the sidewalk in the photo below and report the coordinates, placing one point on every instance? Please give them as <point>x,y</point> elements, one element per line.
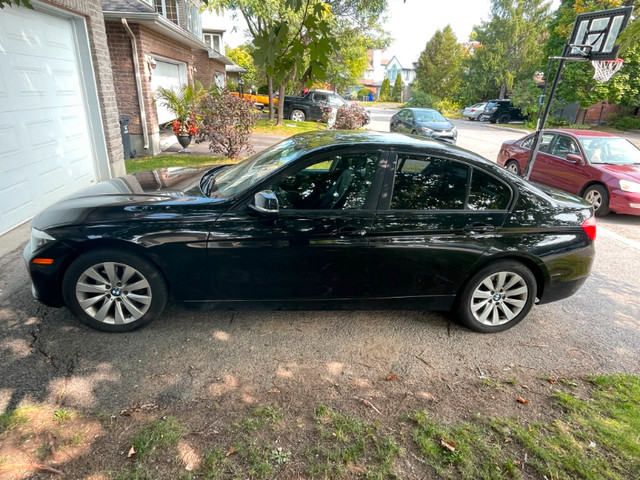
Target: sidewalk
<point>259,142</point>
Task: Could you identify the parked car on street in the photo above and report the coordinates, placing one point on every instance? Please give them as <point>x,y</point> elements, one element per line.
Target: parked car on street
<point>314,104</point>
<point>329,219</point>
<point>501,111</point>
<point>602,168</point>
<point>425,122</point>
<point>474,111</point>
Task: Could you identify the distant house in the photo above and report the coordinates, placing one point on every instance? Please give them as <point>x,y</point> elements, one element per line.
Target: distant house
<point>385,64</point>
<point>157,43</point>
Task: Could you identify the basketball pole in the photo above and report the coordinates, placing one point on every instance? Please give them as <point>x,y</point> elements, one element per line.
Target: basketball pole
<point>545,112</point>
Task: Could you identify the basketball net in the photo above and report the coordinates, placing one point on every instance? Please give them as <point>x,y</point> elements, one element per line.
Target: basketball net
<point>605,69</point>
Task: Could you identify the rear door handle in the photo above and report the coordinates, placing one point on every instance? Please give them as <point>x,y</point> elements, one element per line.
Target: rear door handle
<point>479,228</point>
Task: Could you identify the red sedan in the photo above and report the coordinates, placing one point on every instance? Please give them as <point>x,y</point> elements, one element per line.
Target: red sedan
<point>602,168</point>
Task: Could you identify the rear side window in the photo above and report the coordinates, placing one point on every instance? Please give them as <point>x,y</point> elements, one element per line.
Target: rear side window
<point>429,183</point>
<point>487,193</point>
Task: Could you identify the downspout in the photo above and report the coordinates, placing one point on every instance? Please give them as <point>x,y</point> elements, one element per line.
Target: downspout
<point>136,68</point>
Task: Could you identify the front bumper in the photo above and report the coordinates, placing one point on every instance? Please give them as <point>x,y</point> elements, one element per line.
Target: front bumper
<point>46,280</point>
<point>624,202</point>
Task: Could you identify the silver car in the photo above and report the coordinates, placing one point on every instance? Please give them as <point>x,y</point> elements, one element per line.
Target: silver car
<point>474,111</point>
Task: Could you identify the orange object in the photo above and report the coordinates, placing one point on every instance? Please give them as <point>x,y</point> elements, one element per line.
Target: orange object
<point>42,261</point>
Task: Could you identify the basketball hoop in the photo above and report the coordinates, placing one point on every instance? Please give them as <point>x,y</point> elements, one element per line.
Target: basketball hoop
<point>605,69</point>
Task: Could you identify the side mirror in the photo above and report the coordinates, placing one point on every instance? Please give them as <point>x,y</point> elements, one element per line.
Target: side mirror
<point>573,158</point>
<point>265,202</point>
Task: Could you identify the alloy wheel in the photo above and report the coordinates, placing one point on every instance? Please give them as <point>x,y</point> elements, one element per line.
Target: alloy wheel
<point>113,293</point>
<point>594,197</point>
<point>513,168</point>
<point>499,298</point>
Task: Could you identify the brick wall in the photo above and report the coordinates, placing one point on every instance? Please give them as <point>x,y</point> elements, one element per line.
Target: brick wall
<point>149,43</point>
<point>92,11</point>
<point>593,112</point>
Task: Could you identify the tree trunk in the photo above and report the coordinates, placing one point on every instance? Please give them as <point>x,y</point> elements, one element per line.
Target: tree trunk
<point>270,84</point>
<point>281,94</point>
<point>503,89</point>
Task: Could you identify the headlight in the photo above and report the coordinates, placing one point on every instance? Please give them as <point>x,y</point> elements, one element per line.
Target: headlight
<point>426,130</point>
<point>628,186</point>
<point>39,239</point>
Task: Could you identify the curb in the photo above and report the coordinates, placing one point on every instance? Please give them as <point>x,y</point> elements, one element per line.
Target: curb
<point>516,130</point>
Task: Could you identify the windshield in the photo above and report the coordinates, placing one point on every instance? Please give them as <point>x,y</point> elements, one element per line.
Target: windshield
<point>239,177</point>
<point>610,150</point>
<point>429,116</point>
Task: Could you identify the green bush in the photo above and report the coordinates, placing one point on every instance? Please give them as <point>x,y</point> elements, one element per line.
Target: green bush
<point>628,123</point>
<point>385,91</point>
<point>421,100</point>
<point>447,107</point>
<point>396,94</point>
<point>364,92</point>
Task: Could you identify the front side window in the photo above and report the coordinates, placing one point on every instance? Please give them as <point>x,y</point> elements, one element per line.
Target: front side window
<point>564,146</point>
<point>429,183</point>
<point>320,97</point>
<point>340,182</point>
<point>611,150</point>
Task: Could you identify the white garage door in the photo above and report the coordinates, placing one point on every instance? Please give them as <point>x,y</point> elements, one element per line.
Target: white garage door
<point>45,148</point>
<point>171,76</point>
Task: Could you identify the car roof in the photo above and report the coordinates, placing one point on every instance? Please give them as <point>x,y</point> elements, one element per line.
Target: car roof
<point>422,109</point>
<point>580,133</point>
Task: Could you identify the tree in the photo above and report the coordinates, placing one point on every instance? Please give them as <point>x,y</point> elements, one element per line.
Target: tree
<point>396,94</point>
<point>11,3</point>
<point>510,47</point>
<point>385,90</point>
<point>438,70</point>
<point>241,56</point>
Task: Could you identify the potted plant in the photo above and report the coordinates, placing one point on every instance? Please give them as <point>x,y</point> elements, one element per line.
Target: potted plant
<point>182,103</point>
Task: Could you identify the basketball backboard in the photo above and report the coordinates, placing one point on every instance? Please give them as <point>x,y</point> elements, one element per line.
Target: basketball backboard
<point>595,33</point>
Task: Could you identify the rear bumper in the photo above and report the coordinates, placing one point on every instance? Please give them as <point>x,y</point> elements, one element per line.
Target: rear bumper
<point>567,273</point>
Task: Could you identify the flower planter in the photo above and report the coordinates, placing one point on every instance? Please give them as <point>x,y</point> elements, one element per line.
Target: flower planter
<point>184,140</point>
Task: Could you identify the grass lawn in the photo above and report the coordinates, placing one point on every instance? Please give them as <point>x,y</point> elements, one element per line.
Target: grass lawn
<point>164,161</point>
<point>589,430</point>
<point>289,128</point>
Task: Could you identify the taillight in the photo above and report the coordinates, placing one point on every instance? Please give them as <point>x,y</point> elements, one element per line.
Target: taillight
<point>589,227</point>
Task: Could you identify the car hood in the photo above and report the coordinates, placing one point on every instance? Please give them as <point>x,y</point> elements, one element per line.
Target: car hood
<point>160,193</point>
<point>437,125</point>
<point>625,172</point>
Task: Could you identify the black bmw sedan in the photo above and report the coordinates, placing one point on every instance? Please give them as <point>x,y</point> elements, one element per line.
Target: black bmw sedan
<point>425,122</point>
<point>320,220</point>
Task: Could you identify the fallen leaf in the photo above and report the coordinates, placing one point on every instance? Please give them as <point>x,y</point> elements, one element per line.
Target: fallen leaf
<point>132,452</point>
<point>552,380</point>
<point>274,390</point>
<point>231,450</point>
<point>353,468</point>
<point>451,446</point>
<point>392,377</point>
<point>522,400</point>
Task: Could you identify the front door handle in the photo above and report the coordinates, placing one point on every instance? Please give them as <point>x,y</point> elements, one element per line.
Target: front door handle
<point>479,228</point>
<point>351,232</point>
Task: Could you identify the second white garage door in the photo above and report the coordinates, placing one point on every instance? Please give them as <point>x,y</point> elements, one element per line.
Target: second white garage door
<point>171,76</point>
<point>45,147</point>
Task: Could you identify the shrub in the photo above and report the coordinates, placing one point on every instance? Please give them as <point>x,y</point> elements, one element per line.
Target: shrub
<point>628,123</point>
<point>364,92</point>
<point>348,118</point>
<point>385,91</point>
<point>227,123</point>
<point>448,107</point>
<point>421,100</point>
<point>396,94</point>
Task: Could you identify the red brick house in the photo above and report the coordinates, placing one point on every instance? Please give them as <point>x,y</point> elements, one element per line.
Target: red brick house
<point>59,128</point>
<point>156,43</point>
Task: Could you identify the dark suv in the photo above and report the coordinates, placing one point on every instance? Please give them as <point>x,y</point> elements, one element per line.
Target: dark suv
<point>501,111</point>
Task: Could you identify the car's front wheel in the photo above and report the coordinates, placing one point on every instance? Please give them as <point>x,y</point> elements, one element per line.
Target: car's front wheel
<point>504,118</point>
<point>113,290</point>
<point>598,196</point>
<point>497,297</point>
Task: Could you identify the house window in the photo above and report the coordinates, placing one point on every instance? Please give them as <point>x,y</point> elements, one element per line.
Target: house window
<point>219,80</point>
<point>168,9</point>
<point>213,41</point>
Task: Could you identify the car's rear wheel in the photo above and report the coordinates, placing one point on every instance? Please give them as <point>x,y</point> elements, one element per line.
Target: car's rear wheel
<point>504,118</point>
<point>598,196</point>
<point>513,166</point>
<point>298,116</point>
<point>497,297</point>
<point>113,290</point>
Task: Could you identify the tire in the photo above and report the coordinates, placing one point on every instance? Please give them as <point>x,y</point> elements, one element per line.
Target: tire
<point>297,115</point>
<point>504,118</point>
<point>413,132</point>
<point>513,166</point>
<point>598,196</point>
<point>484,305</point>
<point>97,290</point>
<point>492,120</point>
